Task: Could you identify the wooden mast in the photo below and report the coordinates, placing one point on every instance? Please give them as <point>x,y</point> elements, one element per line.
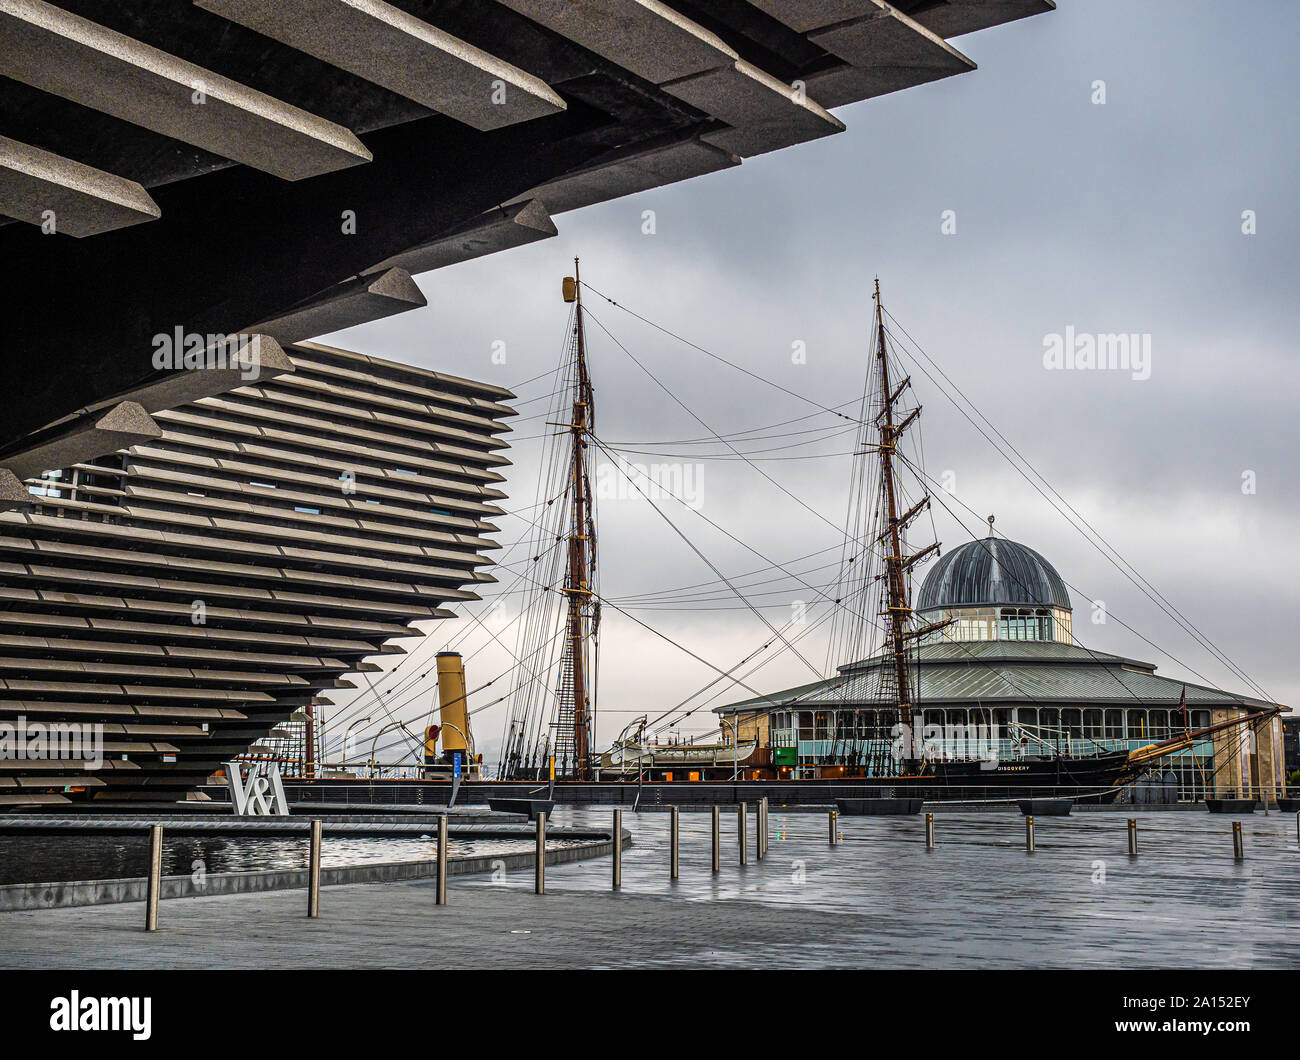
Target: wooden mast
<point>898,605</point>
<point>577,587</point>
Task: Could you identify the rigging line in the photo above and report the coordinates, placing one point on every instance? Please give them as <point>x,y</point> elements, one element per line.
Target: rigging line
<point>1037,489</point>
<point>833,430</point>
<point>729,535</point>
<point>515,664</point>
<point>694,548</point>
<point>770,659</point>
<point>838,530</point>
<point>1028,592</point>
<point>1204,641</point>
<point>725,674</point>
<point>799,636</point>
<point>708,595</point>
<point>718,597</point>
<point>720,607</point>
<point>678,646</point>
<point>824,434</point>
<point>740,435</point>
<point>738,577</point>
<point>702,457</point>
<point>403,682</point>
<point>1115,558</point>
<point>699,692</point>
<point>1163,651</point>
<point>541,375</point>
<point>707,353</point>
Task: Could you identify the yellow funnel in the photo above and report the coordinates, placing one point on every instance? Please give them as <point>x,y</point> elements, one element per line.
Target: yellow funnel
<point>453,711</point>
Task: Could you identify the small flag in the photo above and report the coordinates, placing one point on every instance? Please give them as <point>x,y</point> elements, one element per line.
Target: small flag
<point>1182,705</point>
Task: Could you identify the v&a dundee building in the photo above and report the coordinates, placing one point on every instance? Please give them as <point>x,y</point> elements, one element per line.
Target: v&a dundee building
<point>1007,664</point>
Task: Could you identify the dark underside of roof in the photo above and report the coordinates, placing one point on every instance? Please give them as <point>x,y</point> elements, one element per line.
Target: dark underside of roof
<point>231,246</point>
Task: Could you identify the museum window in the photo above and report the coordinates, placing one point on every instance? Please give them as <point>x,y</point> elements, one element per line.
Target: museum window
<point>1043,620</point>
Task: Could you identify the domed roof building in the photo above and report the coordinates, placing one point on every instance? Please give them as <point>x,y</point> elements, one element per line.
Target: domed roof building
<point>1007,661</point>
<point>995,589</point>
<point>992,572</point>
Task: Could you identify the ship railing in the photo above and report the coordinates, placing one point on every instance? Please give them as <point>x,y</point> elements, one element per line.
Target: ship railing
<point>842,751</point>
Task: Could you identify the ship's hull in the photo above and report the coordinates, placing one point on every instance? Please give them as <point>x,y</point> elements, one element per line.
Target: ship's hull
<point>1091,778</point>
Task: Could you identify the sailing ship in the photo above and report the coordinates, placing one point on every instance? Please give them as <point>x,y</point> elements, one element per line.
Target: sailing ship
<point>897,758</point>
<point>550,729</point>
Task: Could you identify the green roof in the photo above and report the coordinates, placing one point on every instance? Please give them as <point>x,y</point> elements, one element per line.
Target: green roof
<point>991,672</point>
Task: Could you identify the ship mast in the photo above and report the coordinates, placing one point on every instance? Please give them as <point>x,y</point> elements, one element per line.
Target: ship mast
<point>576,706</point>
<point>898,598</point>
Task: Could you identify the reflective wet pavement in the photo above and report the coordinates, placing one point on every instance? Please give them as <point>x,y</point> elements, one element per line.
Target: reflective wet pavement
<point>879,899</point>
<point>45,859</point>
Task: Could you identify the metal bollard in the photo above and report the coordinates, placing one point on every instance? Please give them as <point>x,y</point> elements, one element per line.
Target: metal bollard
<point>313,871</point>
<point>676,839</point>
<point>765,828</point>
<point>1029,834</point>
<point>618,849</point>
<point>1132,836</point>
<point>441,898</point>
<point>758,830</point>
<point>717,838</point>
<point>929,831</point>
<point>539,885</point>
<point>1238,851</point>
<point>155,878</point>
<point>835,827</point>
<point>742,832</point>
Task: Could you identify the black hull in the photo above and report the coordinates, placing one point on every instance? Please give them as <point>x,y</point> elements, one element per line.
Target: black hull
<point>879,807</point>
<point>1089,779</point>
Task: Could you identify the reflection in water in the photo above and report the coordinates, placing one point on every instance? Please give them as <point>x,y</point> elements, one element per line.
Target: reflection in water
<point>47,859</point>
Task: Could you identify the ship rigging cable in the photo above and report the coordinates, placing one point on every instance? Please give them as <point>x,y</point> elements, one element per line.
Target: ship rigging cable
<point>857,531</point>
<point>1115,559</point>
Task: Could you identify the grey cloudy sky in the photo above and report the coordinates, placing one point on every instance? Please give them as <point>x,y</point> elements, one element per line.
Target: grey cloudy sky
<point>1117,217</point>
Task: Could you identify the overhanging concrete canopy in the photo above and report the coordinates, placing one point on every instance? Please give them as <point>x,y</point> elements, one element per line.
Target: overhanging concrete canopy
<point>357,301</point>
<point>952,18</point>
<point>513,225</point>
<point>126,423</point>
<point>646,37</point>
<point>885,49</point>
<point>40,187</point>
<point>765,114</point>
<point>58,52</point>
<point>384,44</point>
<point>652,168</point>
<point>651,91</point>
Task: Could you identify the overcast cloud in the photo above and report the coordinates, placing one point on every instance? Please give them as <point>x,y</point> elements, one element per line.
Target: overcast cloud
<point>1118,217</point>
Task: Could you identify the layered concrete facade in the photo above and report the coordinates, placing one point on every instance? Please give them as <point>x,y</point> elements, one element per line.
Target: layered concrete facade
<point>191,590</point>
